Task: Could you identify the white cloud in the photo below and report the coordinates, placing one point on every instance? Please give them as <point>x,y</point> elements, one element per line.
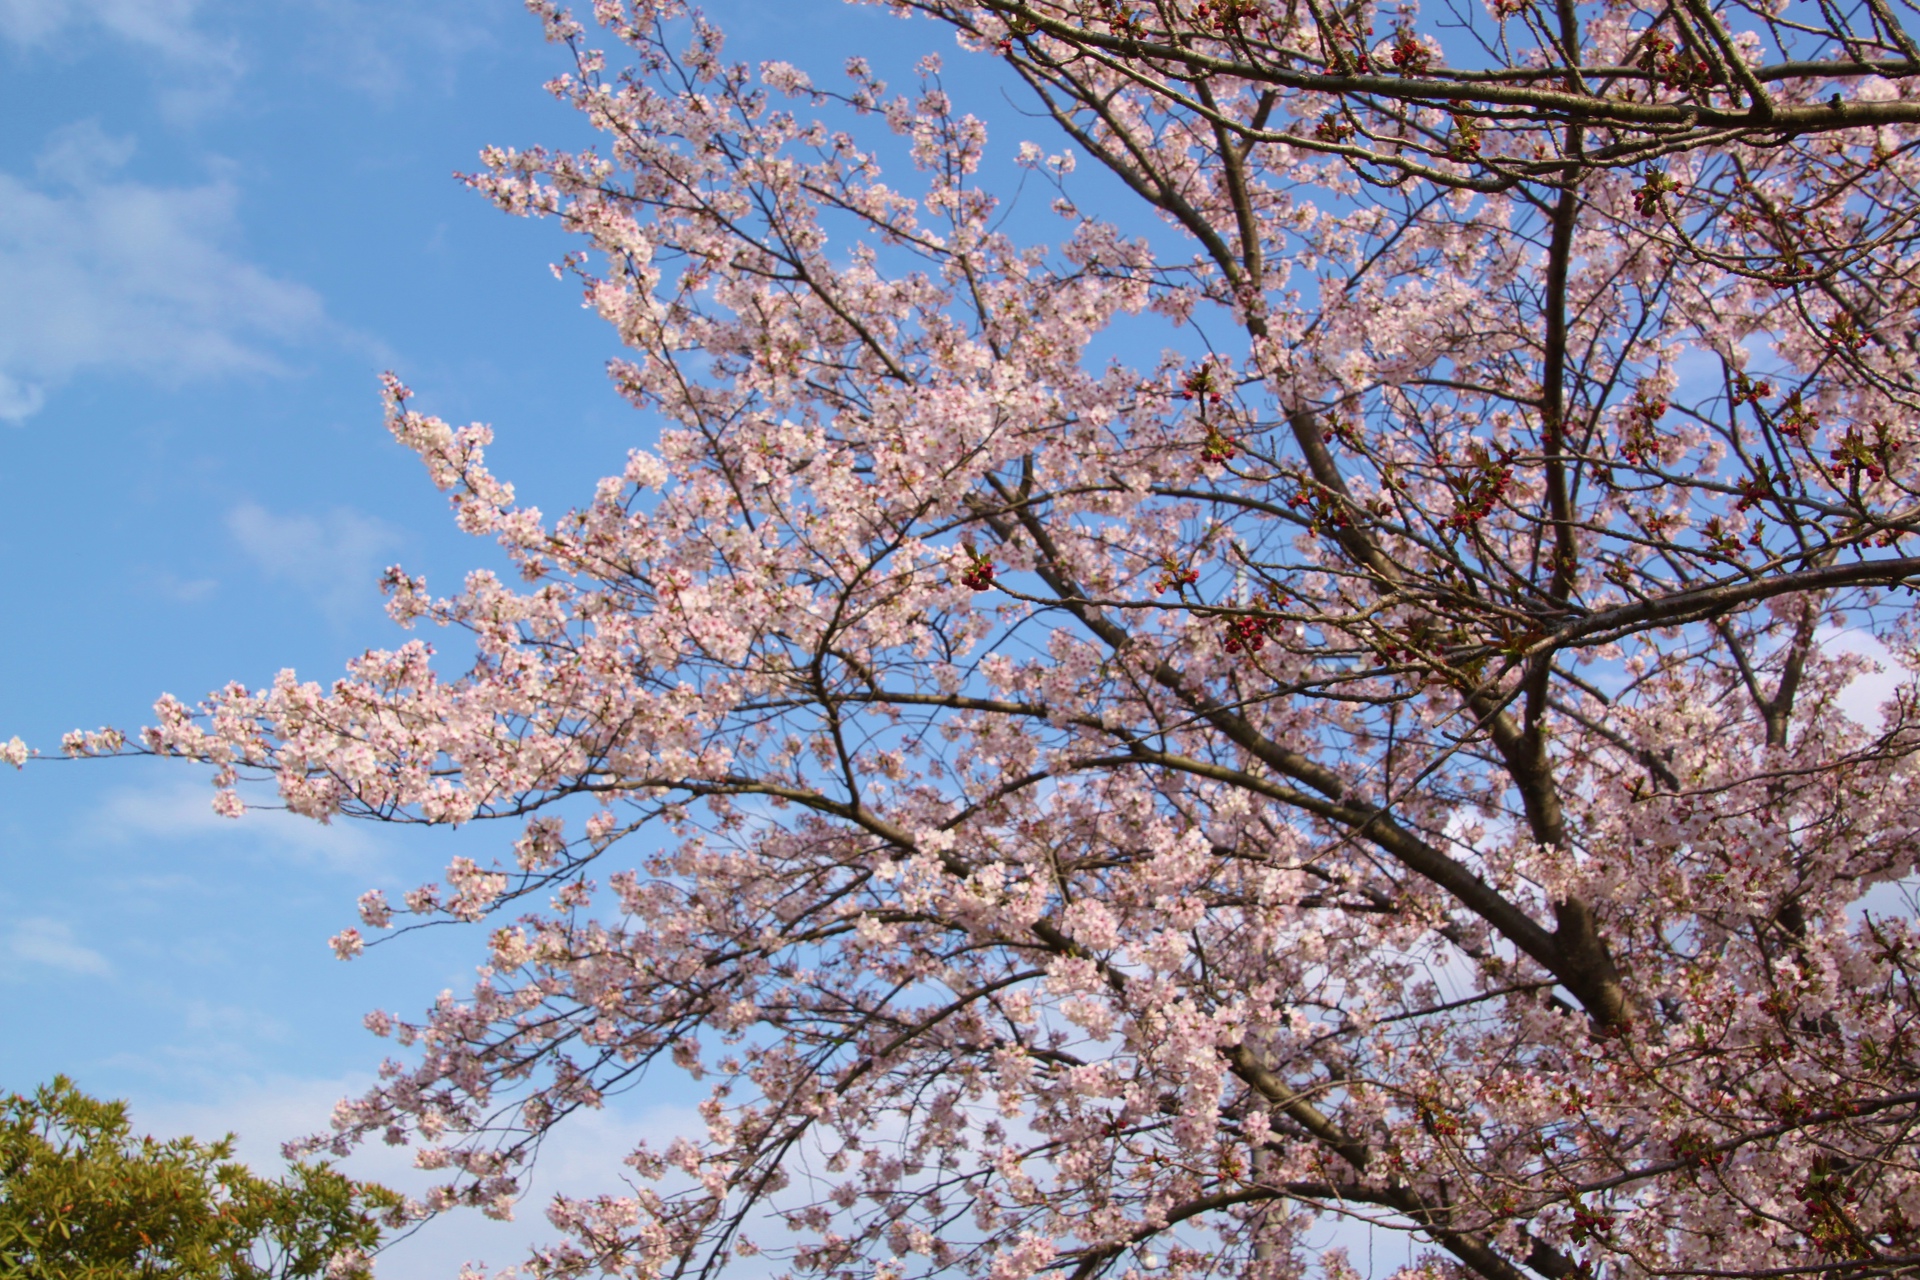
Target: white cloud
<point>335,559</point>
<point>582,1157</point>
<point>197,64</point>
<point>1867,692</point>
<point>183,810</point>
<point>105,274</point>
<point>168,28</point>
<point>43,941</point>
<point>171,586</point>
<point>375,47</point>
<point>19,400</point>
<point>81,153</point>
<point>380,49</point>
<point>233,1022</point>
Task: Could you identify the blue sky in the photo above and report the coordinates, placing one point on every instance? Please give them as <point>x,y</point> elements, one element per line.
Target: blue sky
<point>219,221</point>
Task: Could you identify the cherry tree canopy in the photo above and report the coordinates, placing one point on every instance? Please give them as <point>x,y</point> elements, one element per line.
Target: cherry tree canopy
<point>1376,761</point>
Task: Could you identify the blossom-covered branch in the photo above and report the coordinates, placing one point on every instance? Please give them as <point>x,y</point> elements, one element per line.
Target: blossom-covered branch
<point>1377,759</point>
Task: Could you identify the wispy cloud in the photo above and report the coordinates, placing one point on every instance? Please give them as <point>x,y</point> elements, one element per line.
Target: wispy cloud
<point>103,273</point>
<point>40,940</point>
<point>334,559</point>
<point>170,28</point>
<point>198,54</point>
<point>171,586</point>
<point>380,49</point>
<point>1867,693</point>
<point>183,810</point>
<point>582,1157</point>
<point>197,62</point>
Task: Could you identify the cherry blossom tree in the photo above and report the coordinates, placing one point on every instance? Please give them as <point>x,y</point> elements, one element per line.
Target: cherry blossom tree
<point>1088,814</point>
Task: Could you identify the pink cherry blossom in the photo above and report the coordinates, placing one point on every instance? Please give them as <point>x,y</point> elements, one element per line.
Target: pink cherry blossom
<point>1090,814</point>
